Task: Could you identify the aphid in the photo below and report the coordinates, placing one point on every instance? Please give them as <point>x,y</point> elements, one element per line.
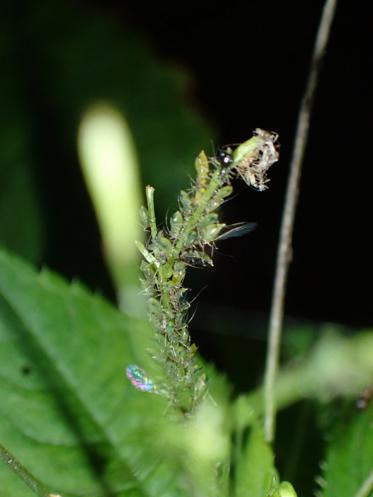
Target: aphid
<point>139,379</point>
<point>197,258</point>
<point>176,224</point>
<point>253,158</point>
<point>222,159</point>
<point>364,398</point>
<point>202,169</point>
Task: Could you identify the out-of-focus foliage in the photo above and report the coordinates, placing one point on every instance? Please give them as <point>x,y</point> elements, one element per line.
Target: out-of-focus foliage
<point>67,411</point>
<point>111,171</point>
<point>20,218</point>
<point>56,60</point>
<point>349,456</point>
<point>71,417</point>
<point>256,473</point>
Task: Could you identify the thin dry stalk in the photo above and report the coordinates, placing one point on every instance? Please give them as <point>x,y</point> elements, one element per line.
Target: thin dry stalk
<point>284,247</point>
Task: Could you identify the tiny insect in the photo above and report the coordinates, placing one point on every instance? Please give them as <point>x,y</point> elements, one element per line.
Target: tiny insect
<point>224,156</point>
<point>139,379</point>
<point>222,159</point>
<point>253,158</point>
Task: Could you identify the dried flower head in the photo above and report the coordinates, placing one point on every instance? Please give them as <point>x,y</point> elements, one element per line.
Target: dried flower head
<point>254,157</point>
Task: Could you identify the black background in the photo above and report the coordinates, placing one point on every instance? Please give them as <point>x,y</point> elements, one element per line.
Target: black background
<point>248,63</point>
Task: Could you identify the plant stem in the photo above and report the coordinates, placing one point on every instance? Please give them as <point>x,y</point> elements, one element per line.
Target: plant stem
<point>150,203</point>
<point>37,487</point>
<point>284,247</point>
<point>367,486</point>
<point>193,220</point>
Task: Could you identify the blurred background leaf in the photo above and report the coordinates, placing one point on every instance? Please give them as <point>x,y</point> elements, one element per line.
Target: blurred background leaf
<point>349,455</point>
<point>70,415</point>
<point>256,473</point>
<point>20,218</point>
<point>56,61</point>
<point>68,412</point>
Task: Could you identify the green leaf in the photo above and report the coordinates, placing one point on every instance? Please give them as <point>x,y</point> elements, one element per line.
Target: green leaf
<point>68,413</point>
<point>256,474</point>
<point>349,457</point>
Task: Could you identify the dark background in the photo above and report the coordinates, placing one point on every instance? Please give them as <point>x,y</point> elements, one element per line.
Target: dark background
<point>249,62</point>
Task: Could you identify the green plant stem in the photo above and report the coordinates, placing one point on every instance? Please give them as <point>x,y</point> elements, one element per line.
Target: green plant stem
<point>150,203</point>
<point>177,345</point>
<point>290,387</point>
<point>367,486</point>
<point>189,226</point>
<point>37,487</point>
<point>194,218</point>
<point>284,247</point>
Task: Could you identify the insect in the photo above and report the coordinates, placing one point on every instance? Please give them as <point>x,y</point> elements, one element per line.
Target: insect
<point>224,156</point>
<point>139,379</point>
<point>222,159</point>
<point>236,230</point>
<point>253,158</point>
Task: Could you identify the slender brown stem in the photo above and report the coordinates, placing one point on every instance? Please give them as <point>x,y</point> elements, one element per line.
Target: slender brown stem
<point>284,247</point>
<point>35,485</point>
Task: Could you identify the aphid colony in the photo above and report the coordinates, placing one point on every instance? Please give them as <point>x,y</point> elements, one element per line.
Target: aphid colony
<point>167,253</point>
